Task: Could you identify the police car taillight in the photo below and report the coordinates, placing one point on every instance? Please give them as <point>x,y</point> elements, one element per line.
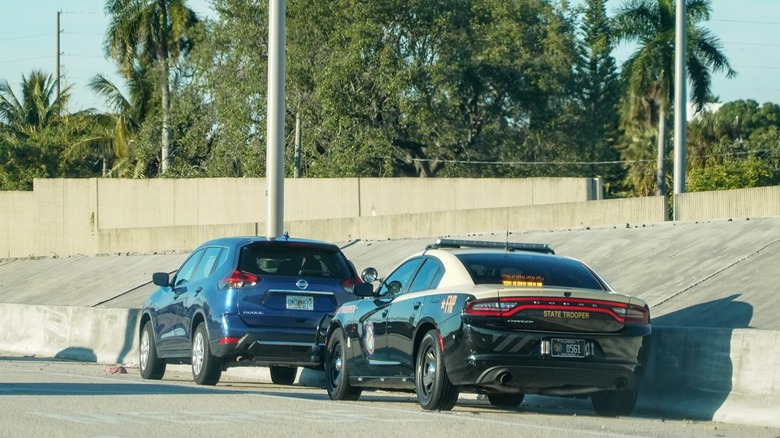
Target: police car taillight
<point>490,307</point>
<point>239,280</point>
<point>634,314</point>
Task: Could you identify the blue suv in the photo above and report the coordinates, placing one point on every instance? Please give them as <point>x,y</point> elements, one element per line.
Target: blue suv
<point>245,301</point>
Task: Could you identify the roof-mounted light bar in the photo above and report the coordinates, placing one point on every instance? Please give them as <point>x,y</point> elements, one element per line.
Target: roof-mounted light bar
<point>509,246</point>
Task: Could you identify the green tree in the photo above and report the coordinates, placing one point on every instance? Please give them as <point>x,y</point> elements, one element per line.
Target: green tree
<point>649,71</point>
<point>32,131</point>
<point>446,82</point>
<point>157,31</point>
<point>736,146</point>
<point>114,133</point>
<point>734,174</point>
<point>37,107</point>
<point>598,89</point>
<point>223,106</point>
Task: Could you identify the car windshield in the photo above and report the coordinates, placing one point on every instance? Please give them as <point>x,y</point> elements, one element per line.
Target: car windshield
<point>523,269</point>
<point>293,260</point>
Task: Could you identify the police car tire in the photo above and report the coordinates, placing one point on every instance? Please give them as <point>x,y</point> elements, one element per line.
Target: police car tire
<point>433,386</point>
<point>336,351</point>
<point>283,375</point>
<point>506,400</point>
<point>614,403</point>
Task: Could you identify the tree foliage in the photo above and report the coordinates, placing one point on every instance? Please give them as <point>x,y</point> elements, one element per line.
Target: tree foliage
<point>649,75</point>
<point>146,32</point>
<point>452,88</point>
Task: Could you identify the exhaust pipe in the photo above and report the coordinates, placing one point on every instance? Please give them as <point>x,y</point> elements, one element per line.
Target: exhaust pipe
<point>504,378</point>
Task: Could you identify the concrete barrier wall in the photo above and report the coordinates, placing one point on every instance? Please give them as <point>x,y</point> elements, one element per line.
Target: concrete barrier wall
<point>535,217</point>
<point>105,216</point>
<point>728,375</point>
<point>726,204</point>
<point>381,197</point>
<point>576,214</point>
<point>63,217</point>
<point>697,373</point>
<point>89,334</point>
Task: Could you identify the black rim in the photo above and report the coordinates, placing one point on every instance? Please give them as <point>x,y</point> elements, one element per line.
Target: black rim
<point>334,365</point>
<point>427,370</point>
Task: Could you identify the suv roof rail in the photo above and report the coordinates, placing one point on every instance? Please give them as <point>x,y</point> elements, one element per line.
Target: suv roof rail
<point>513,246</point>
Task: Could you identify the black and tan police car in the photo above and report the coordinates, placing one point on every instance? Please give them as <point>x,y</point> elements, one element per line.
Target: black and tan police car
<point>493,318</point>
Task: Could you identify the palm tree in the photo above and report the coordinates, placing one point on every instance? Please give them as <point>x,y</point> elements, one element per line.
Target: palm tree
<point>115,131</point>
<point>155,30</point>
<point>649,71</point>
<point>38,107</point>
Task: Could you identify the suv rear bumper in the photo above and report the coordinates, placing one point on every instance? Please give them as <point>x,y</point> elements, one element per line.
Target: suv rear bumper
<point>273,348</point>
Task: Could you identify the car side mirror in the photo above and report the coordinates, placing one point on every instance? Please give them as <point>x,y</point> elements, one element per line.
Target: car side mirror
<point>369,275</point>
<point>364,290</point>
<point>161,279</point>
<point>394,287</point>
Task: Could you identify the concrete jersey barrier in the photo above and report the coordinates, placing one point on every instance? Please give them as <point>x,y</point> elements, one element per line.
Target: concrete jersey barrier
<point>707,374</point>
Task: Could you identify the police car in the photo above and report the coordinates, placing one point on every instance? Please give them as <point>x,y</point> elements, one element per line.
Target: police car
<point>494,318</point>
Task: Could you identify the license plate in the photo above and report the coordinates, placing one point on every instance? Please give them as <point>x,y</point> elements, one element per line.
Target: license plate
<point>295,302</point>
<point>567,348</point>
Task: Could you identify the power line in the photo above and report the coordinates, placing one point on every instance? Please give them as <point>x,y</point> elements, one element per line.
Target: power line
<point>83,33</point>
<point>750,44</point>
<point>26,37</point>
<point>763,67</point>
<point>24,59</point>
<point>771,23</point>
<point>576,163</point>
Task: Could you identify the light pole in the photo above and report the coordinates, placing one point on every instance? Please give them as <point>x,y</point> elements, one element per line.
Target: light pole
<point>274,173</point>
<point>680,104</point>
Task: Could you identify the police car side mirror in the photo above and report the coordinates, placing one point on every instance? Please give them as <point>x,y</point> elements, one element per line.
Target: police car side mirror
<point>161,279</point>
<point>369,275</point>
<point>364,289</point>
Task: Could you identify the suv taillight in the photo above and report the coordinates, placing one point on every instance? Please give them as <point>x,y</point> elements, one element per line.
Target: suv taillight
<point>239,280</point>
<point>349,284</point>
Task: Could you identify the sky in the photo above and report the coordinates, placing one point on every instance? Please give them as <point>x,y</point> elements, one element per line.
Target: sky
<point>749,31</point>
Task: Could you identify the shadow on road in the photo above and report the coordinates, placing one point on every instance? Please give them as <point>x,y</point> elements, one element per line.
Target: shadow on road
<point>92,389</point>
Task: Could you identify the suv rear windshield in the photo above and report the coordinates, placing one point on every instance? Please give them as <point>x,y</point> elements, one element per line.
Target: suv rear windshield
<point>523,269</point>
<point>293,260</point>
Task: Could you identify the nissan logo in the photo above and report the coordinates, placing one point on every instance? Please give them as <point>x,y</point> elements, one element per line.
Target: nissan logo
<point>302,284</point>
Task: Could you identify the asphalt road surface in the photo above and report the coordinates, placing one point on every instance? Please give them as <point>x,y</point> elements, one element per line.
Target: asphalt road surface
<point>58,398</point>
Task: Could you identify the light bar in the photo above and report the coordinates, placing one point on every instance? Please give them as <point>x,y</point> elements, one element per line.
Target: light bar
<point>514,246</point>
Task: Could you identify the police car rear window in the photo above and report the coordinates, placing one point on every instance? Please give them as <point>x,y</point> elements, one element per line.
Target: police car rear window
<point>523,269</point>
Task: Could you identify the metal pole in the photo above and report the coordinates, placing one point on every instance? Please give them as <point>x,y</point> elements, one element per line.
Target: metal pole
<point>58,53</point>
<point>297,171</point>
<point>275,136</point>
<point>680,103</point>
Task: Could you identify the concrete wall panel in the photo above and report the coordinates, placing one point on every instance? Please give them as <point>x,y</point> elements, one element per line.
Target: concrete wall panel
<point>168,239</point>
<point>135,203</point>
<point>726,204</point>
<point>65,208</point>
<point>18,224</point>
<point>306,199</point>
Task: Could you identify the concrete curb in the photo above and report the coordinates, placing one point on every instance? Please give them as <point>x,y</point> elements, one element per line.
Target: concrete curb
<point>724,375</point>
